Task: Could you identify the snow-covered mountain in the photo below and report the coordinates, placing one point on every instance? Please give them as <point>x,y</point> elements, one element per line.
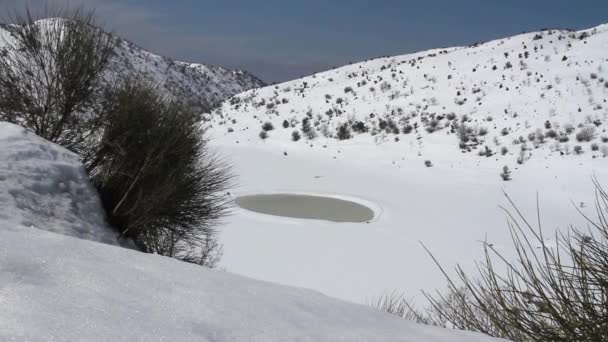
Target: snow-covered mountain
<point>200,82</point>
<point>205,85</point>
<point>532,91</point>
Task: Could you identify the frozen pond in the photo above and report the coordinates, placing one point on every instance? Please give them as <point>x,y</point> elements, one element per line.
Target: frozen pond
<point>306,207</point>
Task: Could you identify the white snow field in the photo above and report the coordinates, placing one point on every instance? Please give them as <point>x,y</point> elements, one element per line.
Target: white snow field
<point>44,186</point>
<point>59,288</point>
<point>57,285</point>
<point>531,94</point>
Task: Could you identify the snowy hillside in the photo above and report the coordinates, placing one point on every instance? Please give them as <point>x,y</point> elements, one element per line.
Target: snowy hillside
<point>521,97</point>
<point>60,288</point>
<point>532,91</point>
<point>205,85</point>
<point>44,186</point>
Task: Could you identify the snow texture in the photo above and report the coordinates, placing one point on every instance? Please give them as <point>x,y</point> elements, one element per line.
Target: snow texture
<point>44,186</point>
<point>59,288</point>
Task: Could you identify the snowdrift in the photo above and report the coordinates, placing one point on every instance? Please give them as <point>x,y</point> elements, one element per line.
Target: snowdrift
<point>43,185</point>
<point>55,287</point>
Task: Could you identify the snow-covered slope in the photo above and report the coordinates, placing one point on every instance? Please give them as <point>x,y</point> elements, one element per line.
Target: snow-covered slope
<point>450,206</point>
<point>536,89</point>
<point>45,186</point>
<point>59,288</point>
<point>205,85</point>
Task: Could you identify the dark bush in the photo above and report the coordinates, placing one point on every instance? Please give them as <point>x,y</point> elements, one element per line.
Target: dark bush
<point>586,134</point>
<point>267,126</point>
<point>551,134</point>
<point>160,183</point>
<point>344,132</point>
<point>285,124</point>
<point>263,135</point>
<point>295,136</point>
<point>307,129</point>
<point>506,173</point>
<point>359,127</point>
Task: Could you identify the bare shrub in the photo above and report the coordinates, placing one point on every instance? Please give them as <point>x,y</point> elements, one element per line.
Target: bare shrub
<point>586,134</point>
<point>344,132</point>
<point>267,126</point>
<point>552,291</point>
<point>160,183</point>
<point>50,76</point>
<point>506,173</point>
<point>295,136</point>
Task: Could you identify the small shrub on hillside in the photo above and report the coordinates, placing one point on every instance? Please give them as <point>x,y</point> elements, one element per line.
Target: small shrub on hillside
<point>522,154</point>
<point>359,127</point>
<point>586,134</point>
<point>569,128</point>
<point>504,150</point>
<point>407,129</point>
<point>295,136</point>
<point>506,173</point>
<point>595,147</point>
<point>263,135</point>
<point>463,134</point>
<point>551,134</point>
<point>344,132</point>
<point>307,129</point>
<point>578,149</point>
<point>285,124</point>
<point>428,163</point>
<point>486,152</point>
<point>267,126</point>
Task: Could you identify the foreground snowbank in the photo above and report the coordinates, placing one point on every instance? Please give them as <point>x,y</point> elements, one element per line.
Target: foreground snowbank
<point>55,287</point>
<point>45,186</point>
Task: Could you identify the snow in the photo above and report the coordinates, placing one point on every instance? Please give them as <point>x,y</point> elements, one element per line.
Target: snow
<point>45,186</point>
<point>56,287</point>
<point>450,207</point>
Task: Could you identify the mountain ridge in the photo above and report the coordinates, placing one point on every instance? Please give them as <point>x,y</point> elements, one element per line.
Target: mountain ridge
<point>202,84</point>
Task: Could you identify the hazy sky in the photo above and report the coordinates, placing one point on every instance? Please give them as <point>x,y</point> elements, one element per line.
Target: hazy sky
<point>282,39</point>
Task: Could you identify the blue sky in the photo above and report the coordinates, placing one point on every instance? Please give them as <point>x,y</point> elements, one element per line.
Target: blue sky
<point>280,40</point>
